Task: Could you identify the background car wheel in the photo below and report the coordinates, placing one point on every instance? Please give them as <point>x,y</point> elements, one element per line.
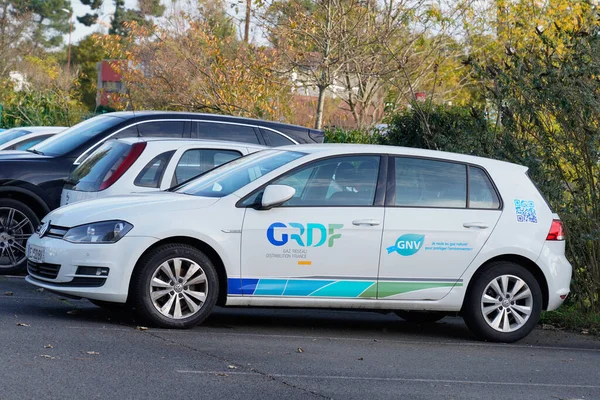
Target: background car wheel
<point>17,223</point>
<point>420,317</point>
<point>175,286</point>
<point>504,303</point>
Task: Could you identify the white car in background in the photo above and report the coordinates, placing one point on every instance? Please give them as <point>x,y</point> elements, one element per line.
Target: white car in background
<point>422,233</point>
<point>26,137</point>
<point>134,165</point>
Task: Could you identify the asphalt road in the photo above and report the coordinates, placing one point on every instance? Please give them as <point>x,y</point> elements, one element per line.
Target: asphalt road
<point>57,348</point>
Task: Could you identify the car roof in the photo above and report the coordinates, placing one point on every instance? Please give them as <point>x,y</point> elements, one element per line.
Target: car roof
<point>40,129</point>
<point>184,141</point>
<point>191,115</point>
<point>346,148</point>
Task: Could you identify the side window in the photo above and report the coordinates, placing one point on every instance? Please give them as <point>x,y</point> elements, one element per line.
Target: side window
<point>153,172</point>
<point>274,139</point>
<point>430,183</point>
<point>340,181</point>
<point>194,162</point>
<point>132,131</point>
<point>481,190</point>
<point>162,129</point>
<point>224,131</point>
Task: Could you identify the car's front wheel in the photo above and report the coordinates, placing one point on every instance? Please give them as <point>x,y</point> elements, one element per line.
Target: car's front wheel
<point>17,223</point>
<point>504,303</point>
<point>174,286</point>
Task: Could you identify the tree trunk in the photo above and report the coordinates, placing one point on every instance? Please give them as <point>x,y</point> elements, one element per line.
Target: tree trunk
<point>320,108</point>
<point>247,22</point>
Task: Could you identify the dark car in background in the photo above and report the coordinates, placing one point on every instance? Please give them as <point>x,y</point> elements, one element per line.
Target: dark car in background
<point>31,181</point>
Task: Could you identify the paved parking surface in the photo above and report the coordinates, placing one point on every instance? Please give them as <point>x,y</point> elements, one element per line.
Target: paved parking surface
<point>54,347</point>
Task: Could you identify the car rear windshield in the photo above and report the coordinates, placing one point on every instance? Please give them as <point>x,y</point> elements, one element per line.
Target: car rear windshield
<point>98,167</point>
<point>236,174</point>
<point>12,134</point>
<point>72,138</point>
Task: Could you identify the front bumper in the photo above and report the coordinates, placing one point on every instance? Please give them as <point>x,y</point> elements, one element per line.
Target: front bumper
<point>64,259</point>
<point>557,270</point>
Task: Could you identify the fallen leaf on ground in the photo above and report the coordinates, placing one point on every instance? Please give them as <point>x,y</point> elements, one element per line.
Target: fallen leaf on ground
<point>221,374</point>
<point>300,350</point>
<point>73,312</point>
<point>92,353</point>
<point>585,332</point>
<point>39,290</point>
<point>48,346</point>
<point>141,328</point>
<point>8,293</point>
<point>548,327</point>
<point>22,324</point>
<point>360,358</point>
<point>231,367</point>
<point>47,356</point>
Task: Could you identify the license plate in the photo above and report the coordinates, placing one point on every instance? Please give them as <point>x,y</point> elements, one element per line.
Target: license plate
<point>35,253</point>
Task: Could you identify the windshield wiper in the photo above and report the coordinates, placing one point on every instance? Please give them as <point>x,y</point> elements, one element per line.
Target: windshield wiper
<point>35,152</point>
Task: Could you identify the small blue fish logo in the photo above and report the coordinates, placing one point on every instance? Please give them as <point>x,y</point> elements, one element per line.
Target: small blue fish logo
<point>407,245</point>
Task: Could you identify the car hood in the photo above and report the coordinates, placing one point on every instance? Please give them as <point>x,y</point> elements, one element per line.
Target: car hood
<point>125,207</point>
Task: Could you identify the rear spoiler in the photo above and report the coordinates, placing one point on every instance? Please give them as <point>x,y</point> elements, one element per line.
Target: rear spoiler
<point>316,135</point>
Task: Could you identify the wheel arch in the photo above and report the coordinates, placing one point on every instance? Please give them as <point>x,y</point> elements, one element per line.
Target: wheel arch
<point>202,246</point>
<point>525,262</point>
<point>27,197</point>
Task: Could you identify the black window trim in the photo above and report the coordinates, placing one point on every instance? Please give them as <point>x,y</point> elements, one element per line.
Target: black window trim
<point>378,199</point>
<point>391,189</point>
<point>170,154</point>
<point>201,173</point>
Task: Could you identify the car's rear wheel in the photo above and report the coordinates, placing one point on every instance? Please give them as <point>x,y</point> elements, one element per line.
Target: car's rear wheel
<point>504,303</point>
<point>175,286</point>
<point>420,317</point>
<point>17,223</point>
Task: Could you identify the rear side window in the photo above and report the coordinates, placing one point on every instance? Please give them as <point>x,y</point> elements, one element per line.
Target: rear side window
<point>153,172</point>
<point>275,139</point>
<point>224,131</point>
<point>481,191</point>
<point>430,183</point>
<point>99,166</point>
<point>194,162</point>
<point>161,129</point>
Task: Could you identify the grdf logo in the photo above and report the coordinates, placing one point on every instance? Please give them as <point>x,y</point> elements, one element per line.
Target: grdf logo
<point>304,236</point>
<point>407,245</point>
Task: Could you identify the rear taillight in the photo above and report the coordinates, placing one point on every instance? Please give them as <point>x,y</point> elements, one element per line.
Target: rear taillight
<point>556,231</point>
<point>122,165</point>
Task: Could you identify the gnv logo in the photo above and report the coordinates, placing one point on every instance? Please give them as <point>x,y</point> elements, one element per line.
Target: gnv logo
<point>313,235</point>
<point>407,245</point>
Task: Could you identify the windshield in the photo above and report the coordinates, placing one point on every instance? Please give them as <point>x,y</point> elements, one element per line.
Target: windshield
<point>12,134</point>
<point>75,136</point>
<point>236,174</point>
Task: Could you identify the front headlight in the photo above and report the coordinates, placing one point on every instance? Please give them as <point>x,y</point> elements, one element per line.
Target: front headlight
<point>98,232</point>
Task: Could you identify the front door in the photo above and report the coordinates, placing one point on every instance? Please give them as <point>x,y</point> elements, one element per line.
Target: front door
<point>432,230</point>
<point>322,243</point>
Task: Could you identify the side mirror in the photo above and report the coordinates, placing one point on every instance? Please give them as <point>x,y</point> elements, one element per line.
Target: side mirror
<point>275,195</point>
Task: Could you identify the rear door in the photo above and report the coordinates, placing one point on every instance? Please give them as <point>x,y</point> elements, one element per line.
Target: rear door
<point>435,225</point>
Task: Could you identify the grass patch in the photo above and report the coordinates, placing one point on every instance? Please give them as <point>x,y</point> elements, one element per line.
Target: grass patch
<point>572,319</point>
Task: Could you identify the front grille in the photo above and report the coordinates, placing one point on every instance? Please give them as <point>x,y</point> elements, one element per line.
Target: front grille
<point>85,282</point>
<point>56,231</point>
<point>43,270</point>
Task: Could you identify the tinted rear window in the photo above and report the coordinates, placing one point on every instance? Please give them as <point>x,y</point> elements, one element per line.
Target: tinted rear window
<point>77,135</point>
<point>224,131</point>
<point>12,134</point>
<point>88,176</point>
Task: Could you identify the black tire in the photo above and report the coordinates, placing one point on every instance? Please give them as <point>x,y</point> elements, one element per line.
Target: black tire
<point>472,307</point>
<point>140,297</point>
<point>420,317</point>
<point>8,267</point>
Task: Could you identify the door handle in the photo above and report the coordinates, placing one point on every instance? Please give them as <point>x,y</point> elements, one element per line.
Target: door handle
<point>370,222</point>
<point>479,225</point>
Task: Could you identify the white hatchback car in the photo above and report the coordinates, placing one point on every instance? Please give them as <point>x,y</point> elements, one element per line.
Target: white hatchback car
<point>419,232</point>
<point>134,165</point>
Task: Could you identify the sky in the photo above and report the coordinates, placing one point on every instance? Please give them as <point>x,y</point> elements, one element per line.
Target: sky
<point>106,11</point>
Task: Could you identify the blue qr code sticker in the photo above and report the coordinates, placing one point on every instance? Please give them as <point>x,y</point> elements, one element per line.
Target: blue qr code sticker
<point>526,211</point>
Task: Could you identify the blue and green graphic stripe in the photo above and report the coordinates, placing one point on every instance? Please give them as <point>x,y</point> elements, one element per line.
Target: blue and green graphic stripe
<point>346,288</point>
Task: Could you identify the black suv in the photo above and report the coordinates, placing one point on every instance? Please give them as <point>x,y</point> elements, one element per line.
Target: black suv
<point>31,182</point>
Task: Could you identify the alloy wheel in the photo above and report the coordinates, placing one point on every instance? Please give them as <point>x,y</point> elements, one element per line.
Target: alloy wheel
<point>507,303</point>
<point>178,288</point>
<point>15,229</point>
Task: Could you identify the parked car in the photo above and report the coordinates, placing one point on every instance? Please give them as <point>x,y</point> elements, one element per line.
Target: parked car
<point>26,137</point>
<point>135,165</point>
<point>31,182</point>
<point>420,232</point>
